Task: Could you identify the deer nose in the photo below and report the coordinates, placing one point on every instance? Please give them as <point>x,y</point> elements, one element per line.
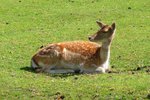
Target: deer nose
<point>90,38</point>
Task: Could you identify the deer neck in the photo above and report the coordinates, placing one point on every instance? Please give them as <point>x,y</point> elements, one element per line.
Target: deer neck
<point>105,53</point>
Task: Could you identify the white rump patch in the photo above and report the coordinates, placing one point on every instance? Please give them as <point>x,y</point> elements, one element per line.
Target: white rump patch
<point>33,65</point>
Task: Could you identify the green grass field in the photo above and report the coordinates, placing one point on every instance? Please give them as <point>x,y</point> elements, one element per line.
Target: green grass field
<point>25,25</point>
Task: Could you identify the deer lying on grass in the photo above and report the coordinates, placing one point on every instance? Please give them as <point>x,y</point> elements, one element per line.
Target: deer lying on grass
<point>77,56</point>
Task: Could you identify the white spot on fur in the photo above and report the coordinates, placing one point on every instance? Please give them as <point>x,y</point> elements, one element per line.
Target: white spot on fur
<point>57,53</point>
<point>65,52</point>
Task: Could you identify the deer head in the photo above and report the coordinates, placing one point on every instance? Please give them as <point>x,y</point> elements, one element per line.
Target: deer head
<point>105,33</point>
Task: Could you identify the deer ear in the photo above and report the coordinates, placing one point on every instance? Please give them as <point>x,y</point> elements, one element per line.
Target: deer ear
<point>100,24</point>
<point>113,26</point>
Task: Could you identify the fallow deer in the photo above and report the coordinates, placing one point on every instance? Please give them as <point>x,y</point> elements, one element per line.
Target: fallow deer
<point>77,56</point>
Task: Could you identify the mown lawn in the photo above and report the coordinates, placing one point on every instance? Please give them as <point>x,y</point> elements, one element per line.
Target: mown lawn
<point>25,25</point>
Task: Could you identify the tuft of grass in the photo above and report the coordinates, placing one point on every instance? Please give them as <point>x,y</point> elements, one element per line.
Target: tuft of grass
<point>25,25</point>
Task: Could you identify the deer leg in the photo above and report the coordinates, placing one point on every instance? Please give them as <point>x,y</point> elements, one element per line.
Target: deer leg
<point>100,70</point>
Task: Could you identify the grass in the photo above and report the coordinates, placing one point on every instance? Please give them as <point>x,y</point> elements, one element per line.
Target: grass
<point>25,25</point>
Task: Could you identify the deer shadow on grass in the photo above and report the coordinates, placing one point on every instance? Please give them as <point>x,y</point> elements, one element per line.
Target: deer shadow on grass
<point>145,69</point>
<point>30,69</point>
<point>140,68</point>
<point>135,70</point>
